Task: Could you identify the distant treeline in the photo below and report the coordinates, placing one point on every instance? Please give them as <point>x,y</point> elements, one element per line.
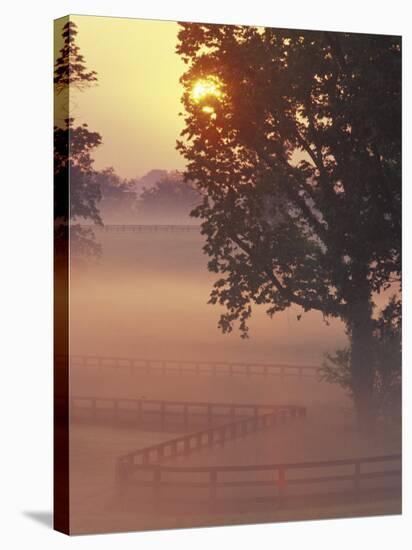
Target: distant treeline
<point>158,197</point>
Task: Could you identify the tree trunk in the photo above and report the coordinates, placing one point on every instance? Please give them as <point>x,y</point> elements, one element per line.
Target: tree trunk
<point>362,362</point>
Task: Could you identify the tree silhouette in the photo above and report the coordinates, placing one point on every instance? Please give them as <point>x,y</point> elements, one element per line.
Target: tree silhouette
<point>76,192</point>
<point>70,69</point>
<point>386,364</point>
<point>299,157</point>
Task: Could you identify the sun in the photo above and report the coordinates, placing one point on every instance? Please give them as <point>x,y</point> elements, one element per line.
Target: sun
<point>204,89</point>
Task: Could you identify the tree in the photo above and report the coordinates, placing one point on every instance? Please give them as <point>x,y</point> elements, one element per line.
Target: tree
<point>118,196</point>
<point>171,199</point>
<point>294,138</point>
<point>386,363</point>
<point>76,192</point>
<point>70,69</point>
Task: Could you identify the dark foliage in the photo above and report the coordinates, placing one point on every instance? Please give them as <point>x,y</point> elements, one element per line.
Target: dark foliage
<point>70,68</point>
<point>299,160</point>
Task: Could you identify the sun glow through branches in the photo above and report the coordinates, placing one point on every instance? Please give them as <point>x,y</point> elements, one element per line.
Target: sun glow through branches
<point>206,89</point>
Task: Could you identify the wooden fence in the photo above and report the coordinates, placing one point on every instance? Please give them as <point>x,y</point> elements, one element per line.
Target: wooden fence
<point>163,411</point>
<point>141,228</point>
<point>282,478</point>
<point>208,438</point>
<point>195,367</point>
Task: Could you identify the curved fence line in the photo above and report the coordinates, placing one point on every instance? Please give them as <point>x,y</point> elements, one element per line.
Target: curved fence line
<point>218,435</point>
<point>182,366</point>
<point>282,477</point>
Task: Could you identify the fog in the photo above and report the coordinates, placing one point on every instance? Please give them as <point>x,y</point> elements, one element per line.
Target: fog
<point>148,294</point>
<point>146,297</point>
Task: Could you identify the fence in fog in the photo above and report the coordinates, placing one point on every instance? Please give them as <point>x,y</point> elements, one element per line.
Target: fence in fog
<point>334,480</point>
<point>177,366</point>
<point>141,228</point>
<point>186,444</point>
<point>168,412</point>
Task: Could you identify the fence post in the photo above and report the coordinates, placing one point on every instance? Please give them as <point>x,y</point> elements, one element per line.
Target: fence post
<point>185,416</point>
<point>209,415</point>
<point>213,480</point>
<point>233,431</point>
<point>115,410</point>
<point>281,484</point>
<point>122,471</point>
<point>162,414</point>
<point>222,436</point>
<point>139,411</point>
<point>160,452</point>
<point>157,473</point>
<point>357,479</point>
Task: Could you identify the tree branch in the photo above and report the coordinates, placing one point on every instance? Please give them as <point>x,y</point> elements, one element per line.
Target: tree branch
<point>294,196</point>
<point>305,303</point>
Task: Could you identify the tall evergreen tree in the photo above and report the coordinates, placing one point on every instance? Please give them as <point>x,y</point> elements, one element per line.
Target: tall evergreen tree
<point>70,68</point>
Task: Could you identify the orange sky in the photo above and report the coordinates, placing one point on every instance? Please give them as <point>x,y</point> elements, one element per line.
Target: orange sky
<point>136,103</point>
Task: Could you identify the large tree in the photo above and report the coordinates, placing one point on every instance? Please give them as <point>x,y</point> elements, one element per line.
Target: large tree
<point>295,139</point>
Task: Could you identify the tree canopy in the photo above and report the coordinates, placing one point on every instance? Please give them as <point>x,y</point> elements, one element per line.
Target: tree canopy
<point>299,159</point>
<point>70,68</point>
<point>72,160</point>
<point>76,192</point>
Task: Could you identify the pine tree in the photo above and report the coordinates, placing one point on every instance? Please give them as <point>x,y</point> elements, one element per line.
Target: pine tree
<point>70,68</point>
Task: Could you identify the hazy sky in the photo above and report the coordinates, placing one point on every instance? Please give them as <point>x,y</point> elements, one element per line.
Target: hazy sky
<point>136,103</point>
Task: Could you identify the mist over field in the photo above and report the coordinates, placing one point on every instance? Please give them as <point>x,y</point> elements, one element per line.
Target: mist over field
<point>146,297</point>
